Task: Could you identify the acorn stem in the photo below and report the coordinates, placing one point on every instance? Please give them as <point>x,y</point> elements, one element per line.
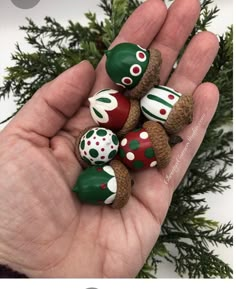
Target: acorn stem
<point>174,139</point>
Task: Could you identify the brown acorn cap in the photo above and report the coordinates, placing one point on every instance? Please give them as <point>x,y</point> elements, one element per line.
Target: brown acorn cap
<point>77,143</point>
<point>133,118</point>
<point>160,142</point>
<point>151,76</point>
<point>180,115</point>
<point>123,184</point>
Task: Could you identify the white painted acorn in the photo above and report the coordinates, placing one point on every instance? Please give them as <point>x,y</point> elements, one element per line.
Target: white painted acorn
<point>96,146</point>
<point>168,107</point>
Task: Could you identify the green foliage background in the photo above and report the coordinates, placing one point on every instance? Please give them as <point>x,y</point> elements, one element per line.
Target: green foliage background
<point>56,48</point>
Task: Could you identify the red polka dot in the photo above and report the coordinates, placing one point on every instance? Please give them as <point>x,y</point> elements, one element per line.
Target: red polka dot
<point>97,143</point>
<point>103,186</point>
<point>112,147</point>
<point>89,143</point>
<point>136,70</point>
<point>102,150</point>
<point>162,111</point>
<point>104,138</point>
<point>141,55</point>
<point>85,153</point>
<point>102,158</point>
<point>99,169</point>
<point>171,96</point>
<point>94,137</point>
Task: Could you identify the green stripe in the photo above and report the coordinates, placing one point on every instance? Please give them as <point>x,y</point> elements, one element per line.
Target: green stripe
<point>152,115</point>
<point>104,99</point>
<point>166,89</point>
<point>158,99</point>
<point>98,114</point>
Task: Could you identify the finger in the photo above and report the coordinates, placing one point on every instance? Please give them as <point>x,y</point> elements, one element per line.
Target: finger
<point>141,27</point>
<point>56,102</point>
<point>206,99</point>
<point>195,62</point>
<point>181,19</point>
<point>148,17</point>
<point>158,187</point>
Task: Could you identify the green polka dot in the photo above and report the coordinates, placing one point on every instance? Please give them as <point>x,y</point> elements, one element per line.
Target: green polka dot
<point>134,145</point>
<point>82,144</point>
<point>138,164</point>
<point>99,163</point>
<point>115,139</point>
<point>112,154</point>
<point>93,153</point>
<point>149,153</point>
<point>87,160</point>
<point>137,129</point>
<point>122,153</point>
<point>101,132</point>
<point>89,134</point>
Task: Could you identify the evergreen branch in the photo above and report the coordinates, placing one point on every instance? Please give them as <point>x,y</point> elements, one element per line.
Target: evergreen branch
<point>56,48</point>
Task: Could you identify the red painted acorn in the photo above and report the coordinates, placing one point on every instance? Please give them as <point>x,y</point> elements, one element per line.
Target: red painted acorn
<point>112,110</point>
<point>146,147</point>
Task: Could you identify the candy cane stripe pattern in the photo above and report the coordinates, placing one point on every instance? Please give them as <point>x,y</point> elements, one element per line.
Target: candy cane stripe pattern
<point>157,104</point>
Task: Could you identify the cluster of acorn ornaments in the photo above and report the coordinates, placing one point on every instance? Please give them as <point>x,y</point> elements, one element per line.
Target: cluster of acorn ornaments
<point>120,143</point>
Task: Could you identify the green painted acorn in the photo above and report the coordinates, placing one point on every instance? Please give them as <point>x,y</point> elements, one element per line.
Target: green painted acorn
<point>104,185</point>
<point>133,67</point>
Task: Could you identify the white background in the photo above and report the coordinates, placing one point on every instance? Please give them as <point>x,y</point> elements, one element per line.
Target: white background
<point>11,18</point>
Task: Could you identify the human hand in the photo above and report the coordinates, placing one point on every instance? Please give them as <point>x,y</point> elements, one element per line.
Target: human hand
<point>45,231</point>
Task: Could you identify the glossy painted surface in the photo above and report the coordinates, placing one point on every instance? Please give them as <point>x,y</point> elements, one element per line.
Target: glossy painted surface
<point>157,104</point>
<point>136,150</point>
<point>98,146</point>
<point>96,185</point>
<point>110,109</point>
<point>126,63</point>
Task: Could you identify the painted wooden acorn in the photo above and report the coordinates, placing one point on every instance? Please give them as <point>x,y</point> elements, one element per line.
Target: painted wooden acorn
<point>96,146</point>
<point>111,109</point>
<point>107,184</point>
<point>168,107</point>
<point>133,67</point>
<point>146,147</point>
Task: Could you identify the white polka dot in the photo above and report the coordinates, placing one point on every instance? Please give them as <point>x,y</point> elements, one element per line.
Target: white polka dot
<point>153,164</point>
<point>143,135</point>
<point>124,142</point>
<point>130,156</point>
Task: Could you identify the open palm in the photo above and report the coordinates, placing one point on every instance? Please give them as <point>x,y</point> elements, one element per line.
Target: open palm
<point>45,231</point>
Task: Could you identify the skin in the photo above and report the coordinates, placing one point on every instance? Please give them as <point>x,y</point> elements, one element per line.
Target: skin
<point>44,230</point>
